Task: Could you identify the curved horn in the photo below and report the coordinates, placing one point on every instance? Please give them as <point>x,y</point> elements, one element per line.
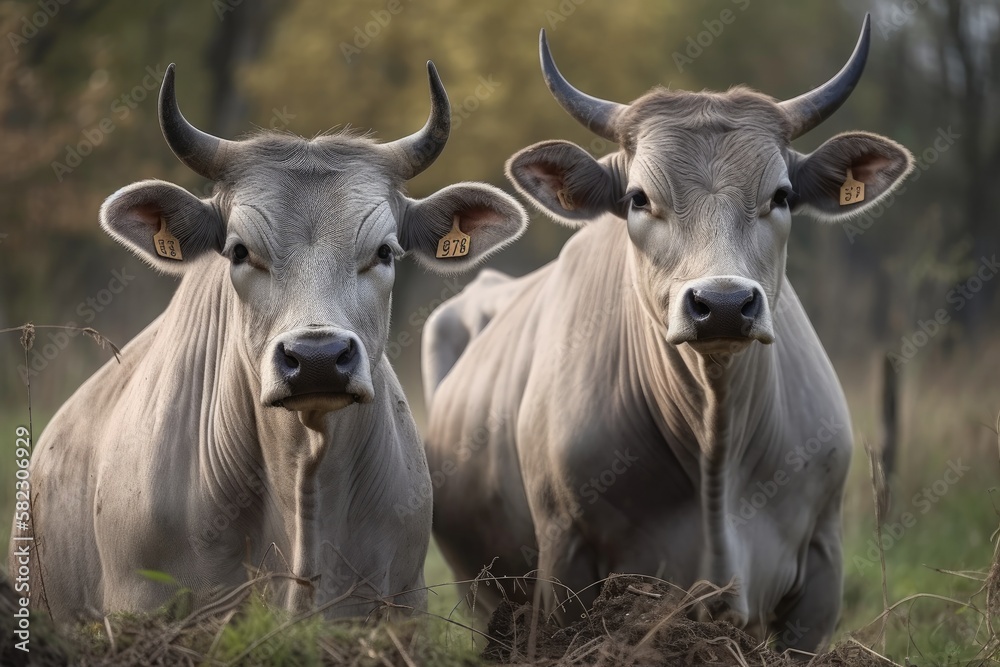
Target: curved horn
<point>420,149</point>
<point>202,152</point>
<point>595,114</point>
<point>810,109</point>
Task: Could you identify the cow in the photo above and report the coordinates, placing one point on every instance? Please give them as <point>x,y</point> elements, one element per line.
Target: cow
<point>621,408</point>
<point>257,419</point>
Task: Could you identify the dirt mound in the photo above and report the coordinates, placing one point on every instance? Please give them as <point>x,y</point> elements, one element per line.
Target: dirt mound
<point>635,621</point>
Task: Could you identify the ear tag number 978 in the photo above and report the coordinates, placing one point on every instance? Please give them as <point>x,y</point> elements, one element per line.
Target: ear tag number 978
<point>455,243</point>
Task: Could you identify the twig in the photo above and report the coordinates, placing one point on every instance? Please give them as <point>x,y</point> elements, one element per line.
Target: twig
<point>28,336</point>
<point>666,619</point>
<point>111,635</point>
<point>399,647</point>
<point>965,574</point>
<point>633,589</point>
<point>222,629</point>
<point>878,493</point>
<point>27,340</point>
<point>465,627</point>
<point>874,653</point>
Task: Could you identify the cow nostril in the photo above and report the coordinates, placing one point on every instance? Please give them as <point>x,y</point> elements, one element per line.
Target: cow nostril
<point>751,306</point>
<point>290,360</point>
<point>347,356</point>
<point>697,305</point>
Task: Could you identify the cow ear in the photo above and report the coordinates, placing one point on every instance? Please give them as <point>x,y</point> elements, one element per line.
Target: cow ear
<point>487,217</point>
<point>164,224</point>
<point>566,182</point>
<point>877,162</point>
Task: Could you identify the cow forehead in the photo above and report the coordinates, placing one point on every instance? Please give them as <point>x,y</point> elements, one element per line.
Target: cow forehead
<point>739,108</point>
<point>691,146</point>
<point>680,164</point>
<point>294,194</point>
<point>331,172</point>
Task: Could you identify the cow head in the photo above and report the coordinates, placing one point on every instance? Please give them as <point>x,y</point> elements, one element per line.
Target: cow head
<point>311,231</point>
<point>706,184</point>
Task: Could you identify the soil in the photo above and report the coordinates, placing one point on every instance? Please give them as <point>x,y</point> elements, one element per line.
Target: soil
<point>638,622</point>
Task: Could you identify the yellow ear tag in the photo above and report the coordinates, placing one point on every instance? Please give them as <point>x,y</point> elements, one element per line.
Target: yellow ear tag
<point>852,191</point>
<point>455,243</point>
<point>166,243</point>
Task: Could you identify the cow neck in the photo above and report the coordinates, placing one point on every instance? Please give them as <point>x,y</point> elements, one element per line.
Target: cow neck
<point>190,366</point>
<point>709,411</point>
<point>716,402</point>
<point>263,461</point>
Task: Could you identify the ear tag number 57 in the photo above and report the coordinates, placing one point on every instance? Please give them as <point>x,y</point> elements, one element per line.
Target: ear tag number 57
<point>852,191</point>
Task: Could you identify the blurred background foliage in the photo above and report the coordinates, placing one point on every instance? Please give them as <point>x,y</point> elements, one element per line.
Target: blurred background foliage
<point>309,66</point>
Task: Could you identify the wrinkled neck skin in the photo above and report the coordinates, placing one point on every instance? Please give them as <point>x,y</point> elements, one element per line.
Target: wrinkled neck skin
<point>721,401</point>
<point>292,455</point>
<point>278,472</point>
<point>710,396</point>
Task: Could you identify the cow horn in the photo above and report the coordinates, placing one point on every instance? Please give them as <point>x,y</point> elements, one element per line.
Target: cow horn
<point>810,109</point>
<point>597,115</point>
<point>202,152</point>
<point>420,149</point>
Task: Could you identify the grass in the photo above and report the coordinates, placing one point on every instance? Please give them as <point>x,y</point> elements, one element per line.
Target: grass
<point>921,561</point>
<point>247,631</point>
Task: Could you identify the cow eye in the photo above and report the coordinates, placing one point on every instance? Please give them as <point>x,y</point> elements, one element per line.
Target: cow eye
<point>638,199</point>
<point>385,253</point>
<point>780,198</point>
<point>240,253</point>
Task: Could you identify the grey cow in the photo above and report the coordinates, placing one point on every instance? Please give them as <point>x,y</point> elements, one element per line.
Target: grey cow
<point>258,415</point>
<point>619,409</point>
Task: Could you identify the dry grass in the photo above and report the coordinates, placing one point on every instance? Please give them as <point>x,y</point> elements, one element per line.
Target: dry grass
<point>639,620</point>
<point>236,628</point>
<point>635,620</point>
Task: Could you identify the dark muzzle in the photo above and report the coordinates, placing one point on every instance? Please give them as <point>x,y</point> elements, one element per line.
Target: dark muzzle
<point>723,314</point>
